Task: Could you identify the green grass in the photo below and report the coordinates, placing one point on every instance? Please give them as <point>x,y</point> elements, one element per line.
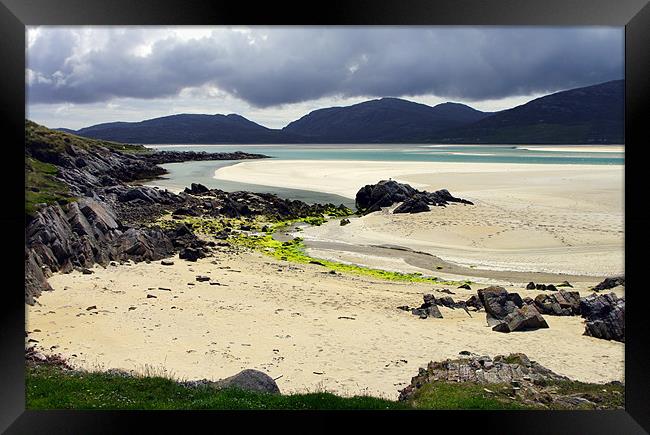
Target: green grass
<point>42,186</point>
<point>41,138</point>
<point>452,395</point>
<point>51,388</point>
<point>610,396</point>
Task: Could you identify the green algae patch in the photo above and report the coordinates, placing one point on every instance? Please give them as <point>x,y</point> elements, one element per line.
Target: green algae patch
<point>257,234</point>
<point>294,251</point>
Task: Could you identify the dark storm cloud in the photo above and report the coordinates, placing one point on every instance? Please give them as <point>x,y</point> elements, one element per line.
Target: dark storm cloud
<point>267,67</point>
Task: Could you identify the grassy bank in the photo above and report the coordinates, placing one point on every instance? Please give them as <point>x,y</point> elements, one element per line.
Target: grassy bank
<point>42,186</point>
<point>50,387</point>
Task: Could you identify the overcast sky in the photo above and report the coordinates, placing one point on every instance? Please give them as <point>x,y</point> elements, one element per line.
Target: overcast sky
<point>79,76</point>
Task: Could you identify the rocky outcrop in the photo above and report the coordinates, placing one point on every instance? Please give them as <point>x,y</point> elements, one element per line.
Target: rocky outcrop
<point>506,312</point>
<point>482,370</point>
<point>562,303</point>
<point>510,377</point>
<point>216,203</point>
<point>385,193</point>
<point>605,316</point>
<point>88,232</point>
<point>608,283</point>
<point>160,157</point>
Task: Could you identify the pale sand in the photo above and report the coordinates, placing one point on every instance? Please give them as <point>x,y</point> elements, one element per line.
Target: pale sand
<point>286,323</point>
<point>538,217</point>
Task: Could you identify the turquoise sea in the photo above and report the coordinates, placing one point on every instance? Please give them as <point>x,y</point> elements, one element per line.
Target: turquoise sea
<point>182,174</point>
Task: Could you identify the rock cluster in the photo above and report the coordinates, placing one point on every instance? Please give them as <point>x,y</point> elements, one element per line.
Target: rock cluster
<point>428,309</point>
<point>532,286</point>
<point>605,316</point>
<point>506,312</point>
<point>562,303</point>
<point>385,193</point>
<point>513,376</point>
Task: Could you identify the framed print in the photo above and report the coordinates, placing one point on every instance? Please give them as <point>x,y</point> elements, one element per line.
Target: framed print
<point>370,207</point>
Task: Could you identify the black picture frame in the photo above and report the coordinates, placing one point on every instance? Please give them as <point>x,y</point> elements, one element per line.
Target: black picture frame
<point>16,14</point>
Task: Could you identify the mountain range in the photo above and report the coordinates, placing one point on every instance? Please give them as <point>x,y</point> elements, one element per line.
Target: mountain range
<point>587,115</point>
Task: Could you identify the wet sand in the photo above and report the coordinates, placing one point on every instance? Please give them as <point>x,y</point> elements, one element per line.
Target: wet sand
<point>558,219</point>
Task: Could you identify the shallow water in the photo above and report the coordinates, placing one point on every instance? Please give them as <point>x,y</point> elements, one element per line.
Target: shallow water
<point>183,174</point>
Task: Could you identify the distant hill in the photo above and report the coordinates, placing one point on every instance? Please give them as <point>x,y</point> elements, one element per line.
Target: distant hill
<point>593,114</point>
<point>588,115</point>
<point>384,121</point>
<point>187,128</point>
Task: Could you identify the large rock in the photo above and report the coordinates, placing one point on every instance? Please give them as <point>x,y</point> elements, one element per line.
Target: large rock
<point>562,303</point>
<point>249,380</point>
<point>611,282</point>
<point>385,193</point>
<point>522,319</point>
<point>498,303</point>
<point>605,316</point>
<point>196,189</point>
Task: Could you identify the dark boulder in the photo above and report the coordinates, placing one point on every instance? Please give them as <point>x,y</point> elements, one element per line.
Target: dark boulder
<point>196,189</point>
<point>344,222</point>
<point>522,319</point>
<point>530,286</point>
<point>383,194</point>
<point>249,380</point>
<point>498,303</point>
<point>428,309</point>
<point>191,254</point>
<point>540,286</point>
<point>465,286</point>
<point>605,316</point>
<point>608,283</point>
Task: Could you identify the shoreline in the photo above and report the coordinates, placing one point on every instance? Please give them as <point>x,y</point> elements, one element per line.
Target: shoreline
<point>286,319</point>
<point>527,217</point>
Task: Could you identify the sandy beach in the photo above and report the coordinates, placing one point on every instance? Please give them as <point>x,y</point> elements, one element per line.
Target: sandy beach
<point>340,333</point>
<point>526,217</point>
